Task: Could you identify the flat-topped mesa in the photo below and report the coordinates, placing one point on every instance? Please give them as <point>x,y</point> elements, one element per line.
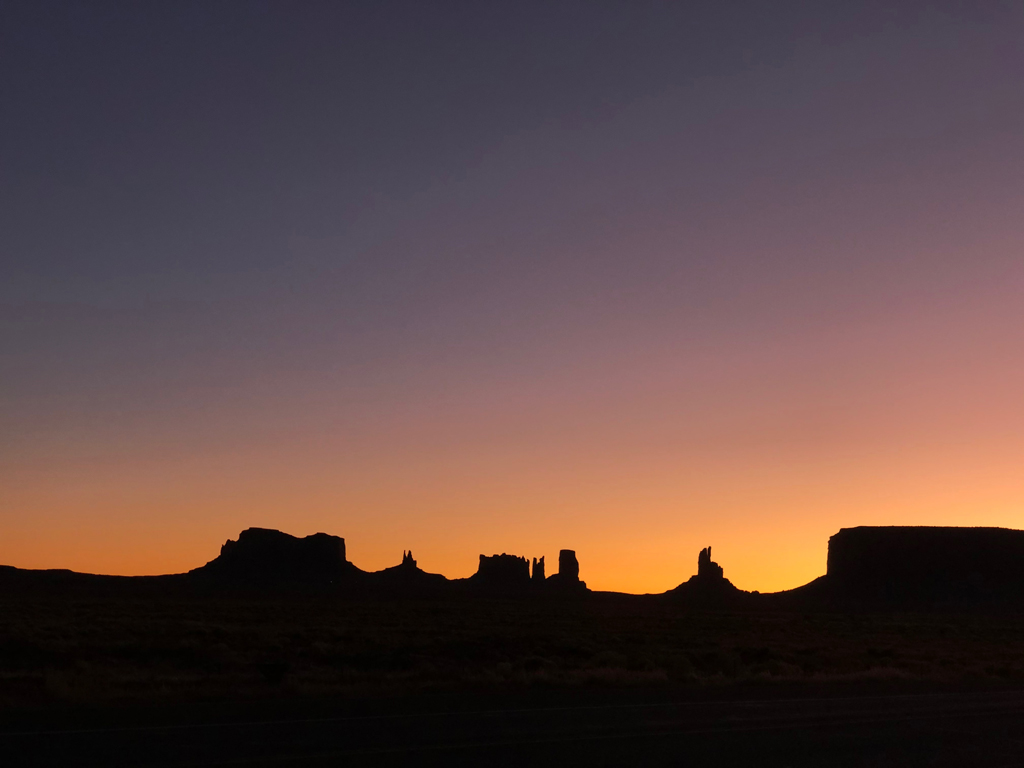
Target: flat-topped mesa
<point>934,564</point>
<point>266,556</point>
<point>568,576</point>
<point>502,572</point>
<point>706,568</point>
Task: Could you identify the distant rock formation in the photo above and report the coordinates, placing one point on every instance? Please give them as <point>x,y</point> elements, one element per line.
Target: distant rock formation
<point>405,578</point>
<point>900,567</point>
<point>262,556</point>
<point>706,569</point>
<point>568,577</point>
<point>538,570</point>
<point>709,587</point>
<point>922,565</point>
<point>568,565</point>
<point>502,573</point>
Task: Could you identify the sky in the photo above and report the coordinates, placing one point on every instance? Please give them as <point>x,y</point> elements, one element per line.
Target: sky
<point>627,278</point>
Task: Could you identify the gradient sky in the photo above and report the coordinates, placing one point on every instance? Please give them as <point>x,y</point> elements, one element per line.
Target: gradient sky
<point>629,278</point>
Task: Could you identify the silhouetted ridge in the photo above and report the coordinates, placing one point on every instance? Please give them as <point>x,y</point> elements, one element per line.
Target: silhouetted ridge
<point>901,567</point>
<point>914,564</point>
<point>262,556</point>
<point>406,578</point>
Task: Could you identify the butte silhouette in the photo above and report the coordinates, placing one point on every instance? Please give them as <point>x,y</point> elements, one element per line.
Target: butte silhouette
<point>882,566</point>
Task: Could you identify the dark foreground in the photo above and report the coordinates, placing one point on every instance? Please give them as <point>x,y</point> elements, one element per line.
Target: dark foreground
<point>598,681</point>
<point>591,728</point>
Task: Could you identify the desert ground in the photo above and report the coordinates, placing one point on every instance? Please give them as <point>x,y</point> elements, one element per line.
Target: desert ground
<point>600,679</point>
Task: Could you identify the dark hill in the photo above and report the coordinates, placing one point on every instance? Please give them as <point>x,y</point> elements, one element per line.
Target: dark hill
<point>709,587</point>
<point>65,583</point>
<point>406,578</point>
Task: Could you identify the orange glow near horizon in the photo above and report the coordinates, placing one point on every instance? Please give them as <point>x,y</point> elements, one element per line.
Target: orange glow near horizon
<point>636,472</point>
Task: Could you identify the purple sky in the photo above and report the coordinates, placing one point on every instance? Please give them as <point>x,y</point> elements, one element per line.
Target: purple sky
<point>623,276</point>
